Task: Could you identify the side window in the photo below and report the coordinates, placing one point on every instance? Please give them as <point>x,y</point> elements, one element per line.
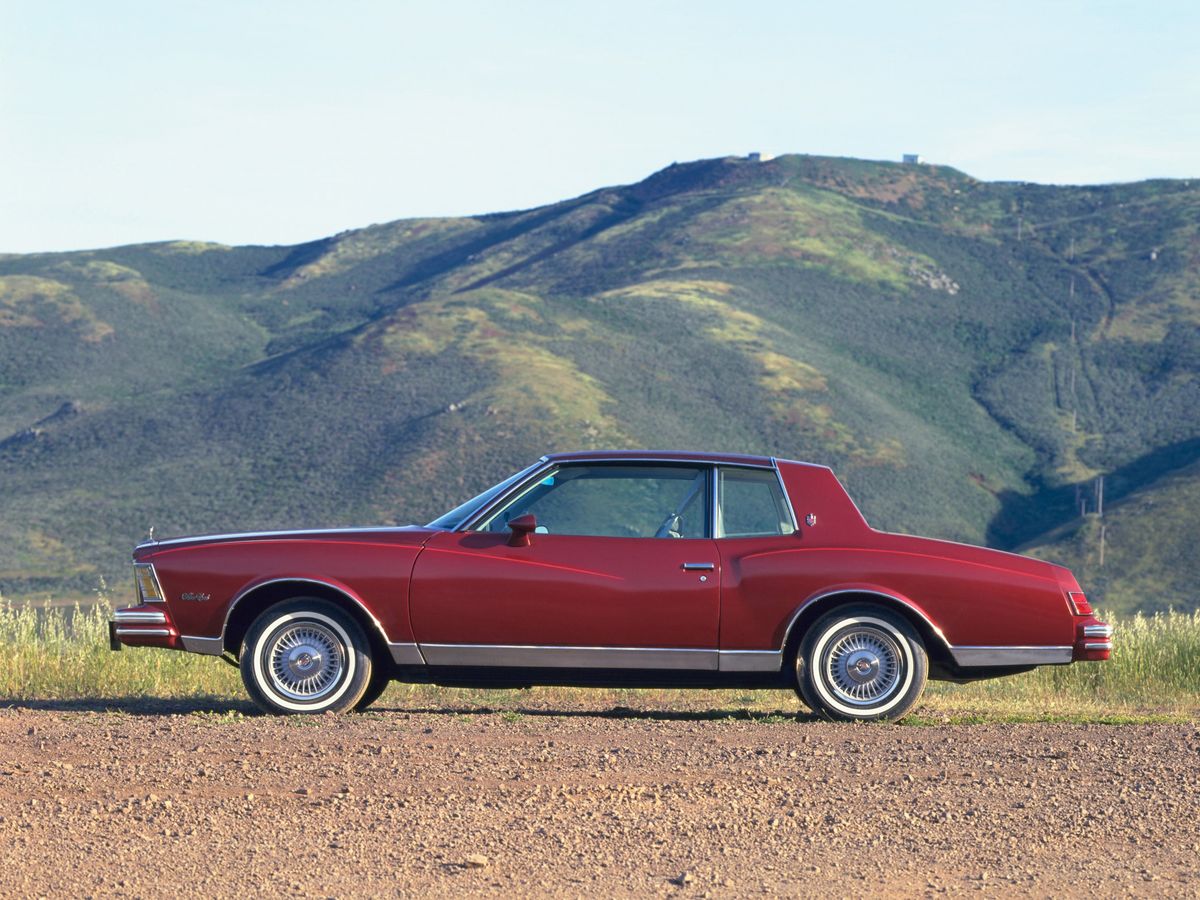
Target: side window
<point>615,501</point>
<point>752,504</point>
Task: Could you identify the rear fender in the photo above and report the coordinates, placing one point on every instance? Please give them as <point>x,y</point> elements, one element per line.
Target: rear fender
<point>822,602</point>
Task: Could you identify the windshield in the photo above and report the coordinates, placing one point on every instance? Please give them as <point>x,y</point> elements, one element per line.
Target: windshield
<point>464,511</point>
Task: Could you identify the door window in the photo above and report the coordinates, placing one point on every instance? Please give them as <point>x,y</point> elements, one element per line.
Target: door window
<point>752,504</point>
<point>615,501</point>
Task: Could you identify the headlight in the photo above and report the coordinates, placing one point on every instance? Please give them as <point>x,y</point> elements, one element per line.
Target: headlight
<point>147,584</point>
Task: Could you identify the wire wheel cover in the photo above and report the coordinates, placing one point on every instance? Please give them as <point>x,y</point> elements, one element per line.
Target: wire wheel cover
<point>863,666</point>
<point>306,661</point>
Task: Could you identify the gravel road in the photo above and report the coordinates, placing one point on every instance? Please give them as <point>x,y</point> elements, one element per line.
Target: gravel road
<point>152,800</point>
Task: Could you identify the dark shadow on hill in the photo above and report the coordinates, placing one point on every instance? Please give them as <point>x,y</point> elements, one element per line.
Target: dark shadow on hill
<point>136,706</point>
<point>440,263</point>
<point>1025,517</point>
<point>624,210</point>
<point>616,712</point>
<point>299,257</point>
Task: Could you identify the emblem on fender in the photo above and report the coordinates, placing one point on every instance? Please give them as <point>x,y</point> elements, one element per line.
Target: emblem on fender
<point>810,520</point>
<point>196,597</point>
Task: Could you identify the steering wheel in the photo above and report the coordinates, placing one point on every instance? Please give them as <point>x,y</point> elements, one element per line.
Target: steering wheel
<point>669,527</point>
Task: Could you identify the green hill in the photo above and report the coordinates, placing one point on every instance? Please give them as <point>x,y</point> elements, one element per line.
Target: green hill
<point>963,353</point>
<point>1150,561</point>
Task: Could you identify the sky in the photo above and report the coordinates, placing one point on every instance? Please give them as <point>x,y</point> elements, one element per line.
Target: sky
<point>279,122</point>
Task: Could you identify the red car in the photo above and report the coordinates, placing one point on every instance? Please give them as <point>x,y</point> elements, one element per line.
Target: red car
<point>628,568</point>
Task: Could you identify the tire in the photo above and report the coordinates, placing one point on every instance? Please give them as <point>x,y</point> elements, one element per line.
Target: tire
<point>305,655</point>
<point>861,664</point>
<point>380,679</point>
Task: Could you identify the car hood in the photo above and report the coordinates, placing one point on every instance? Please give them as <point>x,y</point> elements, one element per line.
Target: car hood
<point>403,535</point>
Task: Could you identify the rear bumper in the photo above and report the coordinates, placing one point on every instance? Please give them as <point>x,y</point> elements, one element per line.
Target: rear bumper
<point>142,626</point>
<point>1093,641</point>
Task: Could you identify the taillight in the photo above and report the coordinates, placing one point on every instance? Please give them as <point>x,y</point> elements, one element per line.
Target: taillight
<point>146,581</point>
<point>1079,603</point>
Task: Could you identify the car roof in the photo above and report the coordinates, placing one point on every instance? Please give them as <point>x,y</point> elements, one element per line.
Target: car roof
<point>733,459</point>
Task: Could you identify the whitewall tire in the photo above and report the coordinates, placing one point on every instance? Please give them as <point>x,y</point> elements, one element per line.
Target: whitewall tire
<point>861,664</point>
<point>305,655</point>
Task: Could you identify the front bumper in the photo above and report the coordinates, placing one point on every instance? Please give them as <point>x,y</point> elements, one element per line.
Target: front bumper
<point>142,626</point>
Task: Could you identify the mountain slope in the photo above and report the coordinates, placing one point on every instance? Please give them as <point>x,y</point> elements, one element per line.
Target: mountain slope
<point>962,353</point>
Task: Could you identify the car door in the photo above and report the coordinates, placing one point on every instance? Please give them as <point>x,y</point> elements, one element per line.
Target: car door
<point>619,573</point>
<point>762,568</point>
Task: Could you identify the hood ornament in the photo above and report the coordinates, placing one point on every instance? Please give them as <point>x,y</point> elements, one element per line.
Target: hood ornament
<point>152,534</point>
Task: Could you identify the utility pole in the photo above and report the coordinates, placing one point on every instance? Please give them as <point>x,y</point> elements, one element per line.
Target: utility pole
<point>1020,221</point>
<point>1102,530</point>
<point>1100,496</point>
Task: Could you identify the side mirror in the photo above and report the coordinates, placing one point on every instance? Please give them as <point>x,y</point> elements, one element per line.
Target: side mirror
<point>521,527</point>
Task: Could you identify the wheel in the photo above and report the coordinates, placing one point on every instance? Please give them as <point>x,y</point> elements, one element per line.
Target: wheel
<point>861,664</point>
<point>380,679</point>
<point>305,656</point>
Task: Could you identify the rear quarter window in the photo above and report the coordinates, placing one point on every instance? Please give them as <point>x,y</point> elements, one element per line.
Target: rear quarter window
<point>752,504</point>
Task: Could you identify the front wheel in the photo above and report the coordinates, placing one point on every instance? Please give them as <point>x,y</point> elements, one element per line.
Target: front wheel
<point>305,656</point>
<point>861,664</point>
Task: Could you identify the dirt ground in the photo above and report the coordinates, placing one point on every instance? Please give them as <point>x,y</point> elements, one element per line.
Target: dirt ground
<point>151,799</point>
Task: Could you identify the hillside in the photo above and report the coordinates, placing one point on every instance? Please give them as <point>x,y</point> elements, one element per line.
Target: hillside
<point>963,353</point>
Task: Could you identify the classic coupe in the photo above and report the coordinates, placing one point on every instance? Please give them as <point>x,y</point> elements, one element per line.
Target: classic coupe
<point>614,568</point>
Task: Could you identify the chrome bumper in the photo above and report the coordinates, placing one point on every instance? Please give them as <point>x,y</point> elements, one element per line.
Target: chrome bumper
<point>1102,632</point>
<point>138,623</point>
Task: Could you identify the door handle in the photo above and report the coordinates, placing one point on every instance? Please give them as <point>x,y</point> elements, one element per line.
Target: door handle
<point>698,567</point>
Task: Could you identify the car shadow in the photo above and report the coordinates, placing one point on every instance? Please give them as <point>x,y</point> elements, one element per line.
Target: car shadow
<point>616,712</point>
<point>136,706</point>
<point>158,706</point>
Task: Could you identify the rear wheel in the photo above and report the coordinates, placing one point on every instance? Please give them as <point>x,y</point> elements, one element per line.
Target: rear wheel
<point>861,664</point>
<point>305,656</point>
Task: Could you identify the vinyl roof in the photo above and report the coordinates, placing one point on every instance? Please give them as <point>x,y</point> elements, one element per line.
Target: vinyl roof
<point>735,459</point>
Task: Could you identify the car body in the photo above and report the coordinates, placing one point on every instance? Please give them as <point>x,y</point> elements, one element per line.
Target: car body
<point>630,568</point>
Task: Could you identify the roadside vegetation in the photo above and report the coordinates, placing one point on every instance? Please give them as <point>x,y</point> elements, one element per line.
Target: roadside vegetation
<point>61,654</point>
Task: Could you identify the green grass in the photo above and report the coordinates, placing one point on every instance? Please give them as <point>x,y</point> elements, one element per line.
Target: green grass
<point>61,654</point>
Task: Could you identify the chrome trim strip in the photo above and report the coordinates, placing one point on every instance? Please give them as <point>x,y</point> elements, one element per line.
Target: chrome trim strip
<point>1010,656</point>
<point>130,616</point>
<point>209,646</point>
<point>530,656</point>
<point>699,567</point>
<point>787,633</point>
<point>406,654</point>
<point>749,660</point>
<point>238,599</point>
<point>1098,645</point>
<point>1097,631</point>
<point>267,534</point>
<point>143,632</point>
<point>714,486</point>
<point>786,498</point>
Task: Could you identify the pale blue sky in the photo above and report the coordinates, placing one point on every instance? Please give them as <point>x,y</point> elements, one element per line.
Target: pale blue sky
<point>278,122</point>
